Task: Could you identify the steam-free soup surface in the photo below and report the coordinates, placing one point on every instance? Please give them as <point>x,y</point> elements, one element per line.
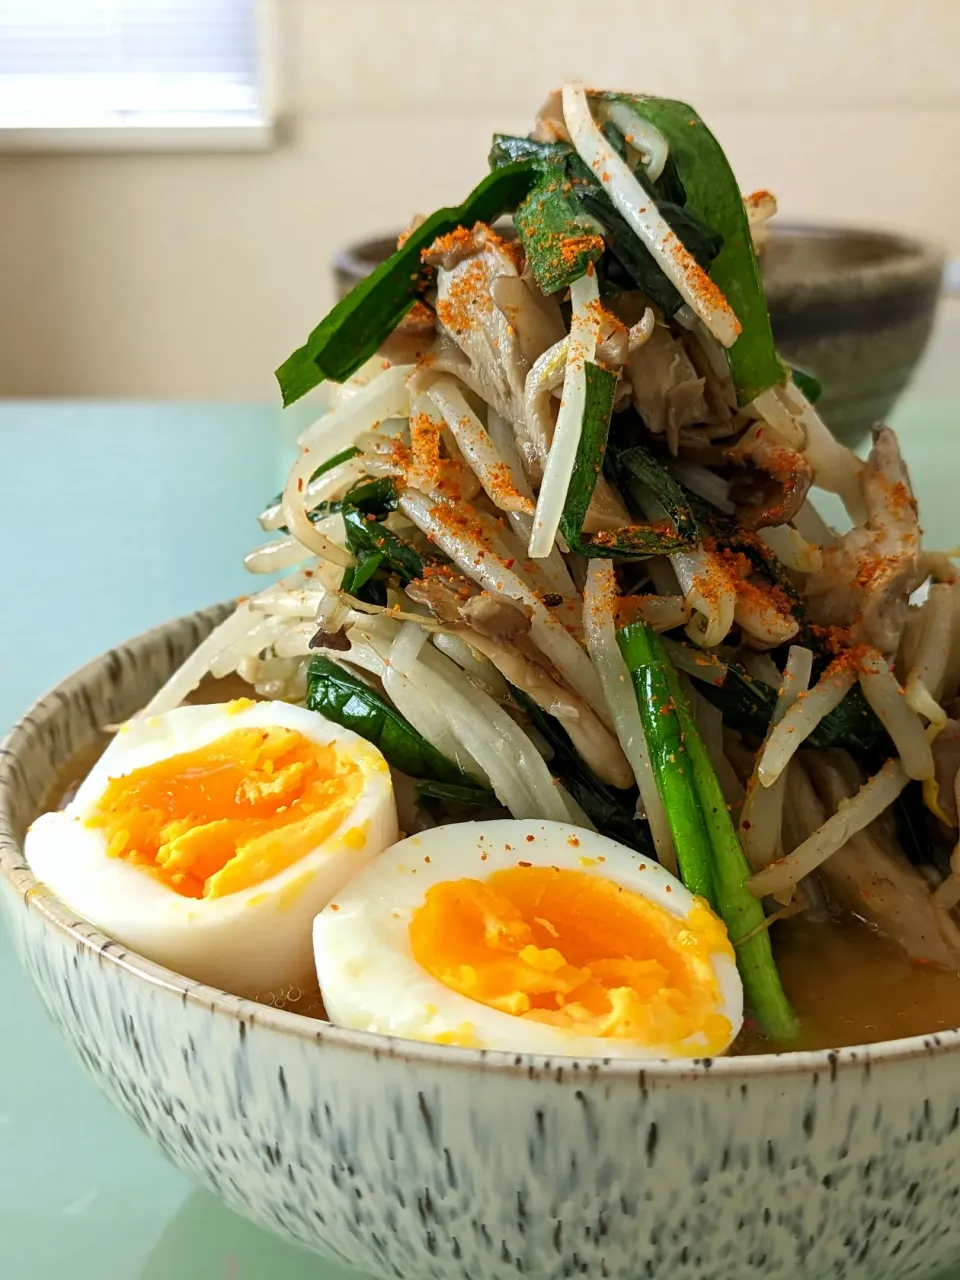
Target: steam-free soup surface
<point>848,984</point>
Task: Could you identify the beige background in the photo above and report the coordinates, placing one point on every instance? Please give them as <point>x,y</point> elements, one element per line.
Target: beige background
<point>192,276</point>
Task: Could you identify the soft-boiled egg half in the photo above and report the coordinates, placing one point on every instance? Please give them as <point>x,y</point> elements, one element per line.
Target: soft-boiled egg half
<point>530,936</point>
<point>207,839</point>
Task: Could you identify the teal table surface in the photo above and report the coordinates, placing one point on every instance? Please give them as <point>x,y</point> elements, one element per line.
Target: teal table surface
<point>113,518</point>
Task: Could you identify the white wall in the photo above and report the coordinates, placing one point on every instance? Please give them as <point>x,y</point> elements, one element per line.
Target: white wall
<point>194,275</point>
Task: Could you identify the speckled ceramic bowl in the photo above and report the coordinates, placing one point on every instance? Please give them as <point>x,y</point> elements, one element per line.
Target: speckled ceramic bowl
<point>853,306</point>
<point>427,1163</point>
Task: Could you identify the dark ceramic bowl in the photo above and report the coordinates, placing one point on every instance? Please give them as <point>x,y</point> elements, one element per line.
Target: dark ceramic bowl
<point>854,307</point>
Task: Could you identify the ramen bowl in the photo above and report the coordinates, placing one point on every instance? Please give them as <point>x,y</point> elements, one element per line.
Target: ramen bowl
<point>853,306</point>
<point>402,1159</point>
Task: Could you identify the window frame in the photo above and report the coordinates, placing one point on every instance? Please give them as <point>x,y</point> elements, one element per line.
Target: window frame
<point>253,133</point>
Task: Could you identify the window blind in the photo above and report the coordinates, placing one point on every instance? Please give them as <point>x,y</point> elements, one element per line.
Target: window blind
<point>128,64</point>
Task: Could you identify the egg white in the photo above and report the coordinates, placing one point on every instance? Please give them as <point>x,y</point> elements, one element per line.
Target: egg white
<point>370,980</point>
<point>252,942</point>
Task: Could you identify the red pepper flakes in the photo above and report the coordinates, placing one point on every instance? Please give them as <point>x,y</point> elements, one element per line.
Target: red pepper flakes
<point>730,570</point>
<point>704,291</point>
<point>468,297</point>
<point>836,639</point>
<point>502,487</point>
<point>461,521</point>
<point>629,609</point>
<point>425,446</point>
<point>460,240</point>
<point>757,199</point>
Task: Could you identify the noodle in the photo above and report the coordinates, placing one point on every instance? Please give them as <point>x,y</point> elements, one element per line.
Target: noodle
<point>516,769</point>
<point>384,398</point>
<point>599,595</point>
<point>792,550</point>
<point>473,558</point>
<point>474,664</point>
<point>581,349</point>
<point>239,625</point>
<point>286,552</point>
<point>882,690</point>
<point>801,719</point>
<point>551,567</point>
<point>479,451</point>
<point>762,816</point>
<point>545,376</point>
<point>640,134</point>
<point>852,816</point>
<point>370,650</point>
<point>715,489</point>
<point>928,670</point>
<point>331,484</point>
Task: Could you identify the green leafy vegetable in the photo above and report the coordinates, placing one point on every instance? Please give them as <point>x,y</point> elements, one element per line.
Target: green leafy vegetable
<point>809,383</point>
<point>671,197</point>
<point>364,508</point>
<point>639,268</point>
<point>360,580</point>
<point>583,194</point>
<point>558,241</point>
<point>709,854</point>
<point>853,725</point>
<point>638,464</point>
<point>456,793</point>
<point>664,733</point>
<point>634,540</point>
<point>365,538</point>
<point>508,148</point>
<point>319,512</point>
<point>699,239</point>
<point>343,456</point>
<point>359,323</point>
<point>747,705</point>
<point>612,811</point>
<point>342,697</point>
<point>746,702</point>
<point>713,197</point>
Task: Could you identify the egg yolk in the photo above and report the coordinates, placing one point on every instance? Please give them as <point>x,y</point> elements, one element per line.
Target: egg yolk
<point>230,814</point>
<point>577,951</point>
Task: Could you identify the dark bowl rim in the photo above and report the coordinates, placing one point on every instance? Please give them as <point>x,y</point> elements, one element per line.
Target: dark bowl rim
<point>35,897</point>
<point>912,264</point>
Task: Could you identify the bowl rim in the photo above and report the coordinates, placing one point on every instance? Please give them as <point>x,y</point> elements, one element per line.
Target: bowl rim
<point>910,266</point>
<point>35,897</point>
